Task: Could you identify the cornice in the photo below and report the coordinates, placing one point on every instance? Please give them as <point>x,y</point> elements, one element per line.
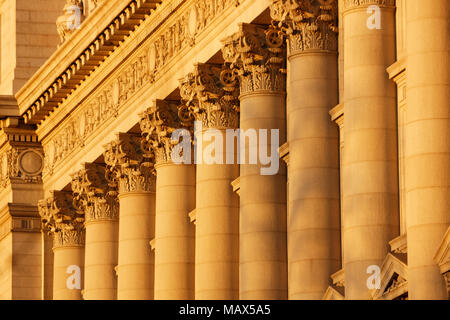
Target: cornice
<point>76,107</point>
<point>100,35</point>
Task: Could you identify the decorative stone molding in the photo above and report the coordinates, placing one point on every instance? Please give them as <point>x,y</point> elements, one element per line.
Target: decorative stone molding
<point>334,293</point>
<point>311,25</point>
<point>352,4</point>
<point>338,278</point>
<point>93,195</point>
<point>19,218</point>
<point>256,55</point>
<point>61,220</point>
<point>393,279</point>
<point>127,166</point>
<point>442,259</point>
<point>69,22</point>
<point>21,165</point>
<point>146,66</point>
<point>236,185</point>
<point>21,157</point>
<point>210,94</point>
<point>158,123</point>
<point>283,151</point>
<point>399,245</point>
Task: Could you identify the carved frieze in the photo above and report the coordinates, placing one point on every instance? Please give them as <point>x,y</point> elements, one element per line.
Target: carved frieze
<point>309,24</point>
<point>256,55</point>
<point>211,96</point>
<point>93,195</point>
<point>61,220</point>
<point>145,67</point>
<point>158,123</point>
<point>127,167</point>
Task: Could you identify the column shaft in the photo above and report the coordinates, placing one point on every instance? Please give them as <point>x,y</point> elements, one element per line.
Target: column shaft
<point>65,257</point>
<point>136,260</point>
<point>262,227</point>
<point>174,233</point>
<point>370,179</point>
<point>217,227</point>
<point>100,260</point>
<point>313,226</point>
<point>427,144</point>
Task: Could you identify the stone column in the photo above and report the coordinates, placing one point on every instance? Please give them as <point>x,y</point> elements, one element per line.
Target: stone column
<point>175,198</point>
<point>370,179</point>
<point>427,144</point>
<point>98,201</point>
<point>313,226</point>
<point>133,174</point>
<point>66,225</point>
<point>217,207</point>
<point>257,56</point>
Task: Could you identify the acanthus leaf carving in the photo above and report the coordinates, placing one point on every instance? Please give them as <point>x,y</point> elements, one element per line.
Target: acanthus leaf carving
<point>158,123</point>
<point>93,195</point>
<point>61,220</point>
<point>211,96</point>
<point>127,167</point>
<point>309,24</point>
<point>257,56</point>
<point>143,69</point>
<point>21,164</point>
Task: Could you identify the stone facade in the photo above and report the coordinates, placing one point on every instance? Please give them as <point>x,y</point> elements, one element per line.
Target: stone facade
<point>98,100</point>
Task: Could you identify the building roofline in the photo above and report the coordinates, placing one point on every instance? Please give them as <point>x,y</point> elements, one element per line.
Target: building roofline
<point>68,67</point>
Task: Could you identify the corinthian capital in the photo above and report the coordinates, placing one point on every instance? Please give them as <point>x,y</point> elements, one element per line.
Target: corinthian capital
<point>127,166</point>
<point>210,94</point>
<point>60,219</point>
<point>257,56</point>
<point>310,24</point>
<point>158,123</point>
<point>93,195</point>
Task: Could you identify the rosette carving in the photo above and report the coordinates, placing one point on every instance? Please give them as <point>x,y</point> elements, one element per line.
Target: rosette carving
<point>309,24</point>
<point>158,123</point>
<point>256,56</point>
<point>93,195</point>
<point>127,167</point>
<point>61,220</point>
<point>211,96</point>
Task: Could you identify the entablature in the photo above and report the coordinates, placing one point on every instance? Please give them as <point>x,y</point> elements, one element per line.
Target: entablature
<point>77,57</point>
<point>148,66</point>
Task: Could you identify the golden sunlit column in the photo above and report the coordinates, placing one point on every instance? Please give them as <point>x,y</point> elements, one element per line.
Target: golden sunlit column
<point>134,177</point>
<point>217,207</point>
<point>258,56</point>
<point>313,226</point>
<point>427,144</point>
<point>98,201</point>
<point>175,198</point>
<point>66,225</point>
<point>370,178</point>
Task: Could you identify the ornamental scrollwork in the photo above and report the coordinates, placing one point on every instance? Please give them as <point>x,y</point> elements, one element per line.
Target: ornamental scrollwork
<point>93,195</point>
<point>127,167</point>
<point>61,220</point>
<point>210,94</point>
<point>21,165</point>
<point>146,67</point>
<point>257,56</point>
<point>158,123</point>
<point>309,24</point>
